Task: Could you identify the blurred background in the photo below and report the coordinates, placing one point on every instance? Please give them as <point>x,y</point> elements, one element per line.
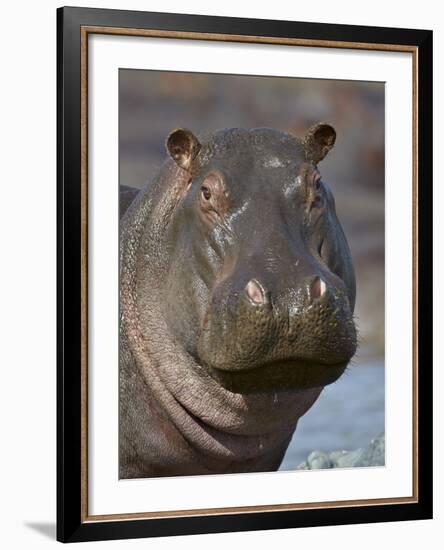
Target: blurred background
<point>350,412</point>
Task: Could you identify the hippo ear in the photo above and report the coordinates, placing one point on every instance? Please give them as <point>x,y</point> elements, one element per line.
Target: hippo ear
<point>183,147</point>
<point>318,141</point>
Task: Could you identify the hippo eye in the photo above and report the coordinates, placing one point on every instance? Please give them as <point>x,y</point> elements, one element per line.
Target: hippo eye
<point>213,197</point>
<point>206,193</point>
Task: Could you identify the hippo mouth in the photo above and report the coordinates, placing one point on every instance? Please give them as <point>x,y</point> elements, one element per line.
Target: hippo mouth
<point>281,375</point>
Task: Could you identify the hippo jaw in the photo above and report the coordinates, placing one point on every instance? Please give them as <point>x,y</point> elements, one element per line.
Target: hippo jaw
<point>279,376</point>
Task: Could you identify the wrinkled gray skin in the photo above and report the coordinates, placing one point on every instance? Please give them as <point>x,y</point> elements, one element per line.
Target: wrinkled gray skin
<point>237,298</point>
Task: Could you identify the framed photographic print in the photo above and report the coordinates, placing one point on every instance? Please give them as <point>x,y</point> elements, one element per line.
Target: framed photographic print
<point>244,274</point>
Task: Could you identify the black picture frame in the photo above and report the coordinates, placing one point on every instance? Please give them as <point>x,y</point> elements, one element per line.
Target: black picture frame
<point>72,525</point>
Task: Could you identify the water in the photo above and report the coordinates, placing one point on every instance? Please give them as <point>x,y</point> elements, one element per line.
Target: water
<point>347,415</point>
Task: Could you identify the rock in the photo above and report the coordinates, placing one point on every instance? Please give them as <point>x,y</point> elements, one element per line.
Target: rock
<point>319,461</point>
<point>372,455</point>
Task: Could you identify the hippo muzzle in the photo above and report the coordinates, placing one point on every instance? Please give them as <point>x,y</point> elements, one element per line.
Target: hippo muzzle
<point>263,335</point>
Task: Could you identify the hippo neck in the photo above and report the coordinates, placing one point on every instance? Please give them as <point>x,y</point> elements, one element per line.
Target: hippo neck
<point>213,420</point>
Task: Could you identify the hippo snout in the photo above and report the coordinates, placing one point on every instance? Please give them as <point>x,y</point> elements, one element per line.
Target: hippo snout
<point>261,338</point>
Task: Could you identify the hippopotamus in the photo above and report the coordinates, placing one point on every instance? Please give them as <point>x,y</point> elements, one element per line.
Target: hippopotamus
<point>237,292</point>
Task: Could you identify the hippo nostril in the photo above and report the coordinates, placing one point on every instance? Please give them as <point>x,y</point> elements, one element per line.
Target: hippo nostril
<point>255,292</point>
<point>318,288</point>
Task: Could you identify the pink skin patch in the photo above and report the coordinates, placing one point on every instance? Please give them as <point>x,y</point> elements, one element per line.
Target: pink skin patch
<point>254,292</point>
<point>318,288</point>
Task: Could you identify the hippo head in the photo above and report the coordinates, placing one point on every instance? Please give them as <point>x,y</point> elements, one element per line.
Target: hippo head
<point>261,287</point>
